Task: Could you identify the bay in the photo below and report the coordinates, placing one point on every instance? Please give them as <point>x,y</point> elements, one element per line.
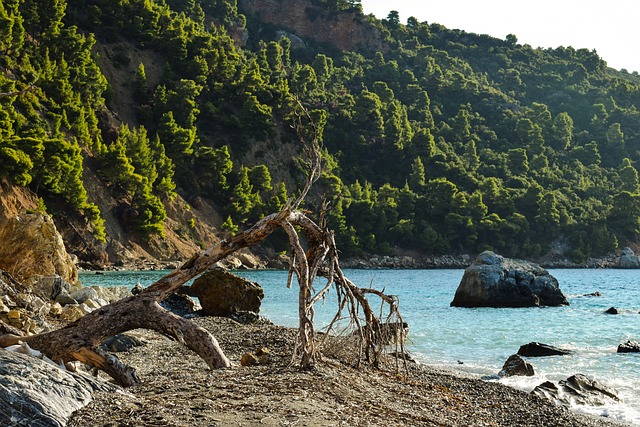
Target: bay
<point>479,340</point>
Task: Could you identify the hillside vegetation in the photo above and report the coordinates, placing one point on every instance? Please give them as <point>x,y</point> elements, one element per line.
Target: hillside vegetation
<point>439,142</point>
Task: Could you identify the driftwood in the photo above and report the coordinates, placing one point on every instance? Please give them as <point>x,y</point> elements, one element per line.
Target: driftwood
<point>81,340</point>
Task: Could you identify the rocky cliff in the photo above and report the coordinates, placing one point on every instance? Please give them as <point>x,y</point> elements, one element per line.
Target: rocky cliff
<point>347,30</point>
<point>31,245</point>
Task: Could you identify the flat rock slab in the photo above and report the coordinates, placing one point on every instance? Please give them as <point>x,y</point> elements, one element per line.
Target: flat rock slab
<point>36,393</point>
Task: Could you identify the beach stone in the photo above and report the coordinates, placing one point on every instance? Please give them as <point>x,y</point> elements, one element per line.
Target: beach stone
<point>65,299</point>
<point>118,293</point>
<point>121,343</point>
<point>516,366</point>
<point>578,389</point>
<point>249,359</point>
<point>36,393</point>
<point>222,293</point>
<point>34,304</point>
<point>262,356</point>
<point>56,309</point>
<point>8,301</point>
<point>495,281</point>
<point>51,286</point>
<point>13,315</point>
<point>245,317</point>
<point>85,294</point>
<point>182,305</point>
<point>629,347</point>
<point>72,313</point>
<point>110,294</point>
<point>94,305</point>
<point>536,349</point>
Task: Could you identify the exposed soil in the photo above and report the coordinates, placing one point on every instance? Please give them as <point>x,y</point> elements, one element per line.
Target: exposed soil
<point>177,389</point>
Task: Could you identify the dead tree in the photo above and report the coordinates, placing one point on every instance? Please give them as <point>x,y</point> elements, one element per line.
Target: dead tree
<point>81,339</point>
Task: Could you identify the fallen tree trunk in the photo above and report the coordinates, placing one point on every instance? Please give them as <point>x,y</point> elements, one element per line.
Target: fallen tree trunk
<point>80,340</point>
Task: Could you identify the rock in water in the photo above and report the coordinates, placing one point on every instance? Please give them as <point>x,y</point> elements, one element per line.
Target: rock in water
<point>536,349</point>
<point>36,393</point>
<point>577,389</point>
<point>516,366</point>
<point>495,281</point>
<point>629,347</point>
<point>222,293</point>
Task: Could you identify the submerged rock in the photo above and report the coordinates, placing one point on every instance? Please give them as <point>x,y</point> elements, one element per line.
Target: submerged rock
<point>612,310</point>
<point>495,281</point>
<point>578,389</point>
<point>536,349</point>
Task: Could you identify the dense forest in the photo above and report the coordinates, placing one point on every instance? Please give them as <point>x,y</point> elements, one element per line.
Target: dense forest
<point>443,142</point>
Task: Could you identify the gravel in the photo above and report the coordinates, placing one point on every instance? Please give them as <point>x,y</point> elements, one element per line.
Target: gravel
<point>178,389</point>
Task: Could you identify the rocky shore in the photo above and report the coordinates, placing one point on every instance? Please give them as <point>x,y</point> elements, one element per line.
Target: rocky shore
<point>177,389</point>
<point>463,261</point>
<point>371,262</point>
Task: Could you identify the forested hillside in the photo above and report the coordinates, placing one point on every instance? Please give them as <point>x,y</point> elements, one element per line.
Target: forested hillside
<point>436,141</point>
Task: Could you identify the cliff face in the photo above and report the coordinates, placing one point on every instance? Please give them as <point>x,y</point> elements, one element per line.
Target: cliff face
<point>347,30</point>
<point>32,247</point>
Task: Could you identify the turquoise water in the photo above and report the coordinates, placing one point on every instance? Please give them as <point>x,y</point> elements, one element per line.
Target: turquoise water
<point>479,340</point>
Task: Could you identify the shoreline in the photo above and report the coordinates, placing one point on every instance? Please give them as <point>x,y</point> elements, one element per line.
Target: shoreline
<point>178,389</point>
<point>400,262</point>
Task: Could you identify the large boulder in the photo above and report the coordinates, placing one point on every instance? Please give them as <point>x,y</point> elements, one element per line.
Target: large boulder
<point>628,259</point>
<point>222,293</point>
<point>517,366</point>
<point>51,286</point>
<point>32,247</point>
<point>495,281</point>
<point>36,393</point>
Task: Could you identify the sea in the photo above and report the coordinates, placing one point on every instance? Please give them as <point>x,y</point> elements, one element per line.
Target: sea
<point>478,341</point>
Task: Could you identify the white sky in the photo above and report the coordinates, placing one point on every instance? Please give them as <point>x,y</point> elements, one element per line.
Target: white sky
<point>611,27</point>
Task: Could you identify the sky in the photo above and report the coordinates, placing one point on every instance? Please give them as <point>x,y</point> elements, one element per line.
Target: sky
<point>611,27</point>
